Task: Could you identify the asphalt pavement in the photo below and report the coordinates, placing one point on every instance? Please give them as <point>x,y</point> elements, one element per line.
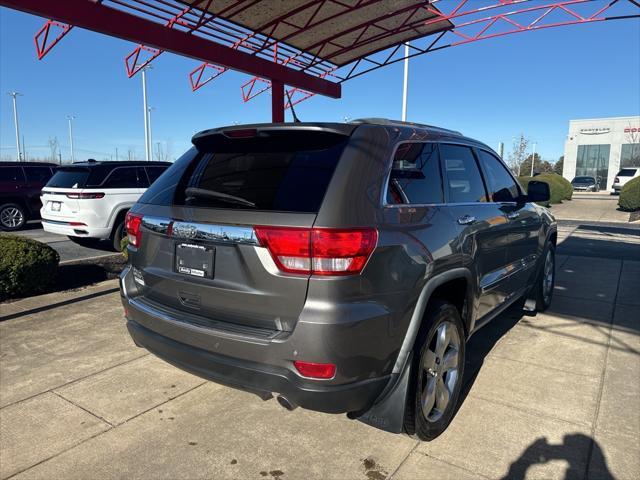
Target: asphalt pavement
<point>68,251</point>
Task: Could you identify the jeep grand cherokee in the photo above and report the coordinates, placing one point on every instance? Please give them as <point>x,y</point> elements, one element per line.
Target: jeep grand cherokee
<point>339,267</point>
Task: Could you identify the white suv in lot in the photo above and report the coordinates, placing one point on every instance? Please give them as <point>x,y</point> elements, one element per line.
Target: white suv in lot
<point>623,176</point>
<point>88,201</point>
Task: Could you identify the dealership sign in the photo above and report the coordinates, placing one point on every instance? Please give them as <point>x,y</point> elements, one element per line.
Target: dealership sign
<point>632,130</point>
<point>595,131</point>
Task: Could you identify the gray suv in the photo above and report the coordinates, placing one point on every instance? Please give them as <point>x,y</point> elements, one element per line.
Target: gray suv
<point>338,267</point>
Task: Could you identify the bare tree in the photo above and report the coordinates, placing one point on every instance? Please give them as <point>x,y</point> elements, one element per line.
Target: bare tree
<point>54,147</point>
<point>518,153</point>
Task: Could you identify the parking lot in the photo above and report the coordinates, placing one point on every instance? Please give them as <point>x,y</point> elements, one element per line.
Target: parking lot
<point>68,251</point>
<point>551,396</point>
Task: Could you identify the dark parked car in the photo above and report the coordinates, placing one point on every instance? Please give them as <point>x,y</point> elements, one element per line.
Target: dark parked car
<point>585,184</point>
<point>20,185</point>
<point>339,267</point>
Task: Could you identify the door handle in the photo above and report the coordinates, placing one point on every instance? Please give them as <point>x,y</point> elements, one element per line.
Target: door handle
<point>466,220</point>
<point>513,215</point>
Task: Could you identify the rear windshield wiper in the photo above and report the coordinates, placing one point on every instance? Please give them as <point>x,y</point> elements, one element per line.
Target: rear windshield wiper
<point>204,193</point>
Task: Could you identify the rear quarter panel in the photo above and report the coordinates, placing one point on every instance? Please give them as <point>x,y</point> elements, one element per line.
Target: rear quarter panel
<point>373,310</point>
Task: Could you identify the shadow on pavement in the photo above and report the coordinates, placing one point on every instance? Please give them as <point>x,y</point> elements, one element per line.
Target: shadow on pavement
<point>570,450</point>
<point>58,304</point>
<point>608,246</point>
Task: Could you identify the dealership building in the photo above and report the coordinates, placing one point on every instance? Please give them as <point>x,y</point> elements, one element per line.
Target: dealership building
<point>600,147</point>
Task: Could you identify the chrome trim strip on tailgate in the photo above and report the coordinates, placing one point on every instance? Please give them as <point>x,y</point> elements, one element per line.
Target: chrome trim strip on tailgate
<point>156,224</point>
<point>201,231</point>
<point>214,232</point>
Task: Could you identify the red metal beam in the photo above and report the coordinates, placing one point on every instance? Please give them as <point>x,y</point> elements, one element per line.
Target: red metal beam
<point>116,23</point>
<point>42,38</point>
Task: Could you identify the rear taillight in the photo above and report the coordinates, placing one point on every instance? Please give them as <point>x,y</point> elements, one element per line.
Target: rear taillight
<point>85,196</point>
<point>132,224</point>
<point>318,251</point>
<point>315,370</point>
<point>616,180</point>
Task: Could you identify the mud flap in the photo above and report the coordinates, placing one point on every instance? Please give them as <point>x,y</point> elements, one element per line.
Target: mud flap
<point>388,412</point>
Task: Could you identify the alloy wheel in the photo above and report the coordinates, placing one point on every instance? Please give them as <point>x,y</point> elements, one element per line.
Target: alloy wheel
<point>11,217</point>
<point>441,366</point>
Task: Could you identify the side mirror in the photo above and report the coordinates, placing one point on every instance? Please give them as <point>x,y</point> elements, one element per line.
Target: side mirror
<point>538,191</point>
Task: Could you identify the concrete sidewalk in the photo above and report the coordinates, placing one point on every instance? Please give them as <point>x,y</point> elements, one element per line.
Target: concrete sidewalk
<point>551,396</point>
<point>594,207</point>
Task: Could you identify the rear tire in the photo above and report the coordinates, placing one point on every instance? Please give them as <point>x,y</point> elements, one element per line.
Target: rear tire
<point>546,280</point>
<point>437,372</point>
<point>118,234</point>
<point>12,217</point>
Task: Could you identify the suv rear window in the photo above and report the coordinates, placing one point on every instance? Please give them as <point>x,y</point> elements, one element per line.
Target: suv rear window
<point>278,172</point>
<point>69,178</point>
<point>626,172</point>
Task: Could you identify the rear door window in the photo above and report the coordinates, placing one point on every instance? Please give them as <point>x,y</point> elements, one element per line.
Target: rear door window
<point>37,174</point>
<point>463,180</point>
<point>69,178</point>
<point>502,186</point>
<point>276,172</point>
<point>122,177</point>
<point>415,175</point>
<point>143,180</point>
<point>154,173</point>
<point>11,174</point>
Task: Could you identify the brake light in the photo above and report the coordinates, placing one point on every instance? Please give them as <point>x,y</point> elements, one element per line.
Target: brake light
<point>318,251</point>
<point>240,133</point>
<point>132,223</point>
<point>315,370</point>
<point>85,196</point>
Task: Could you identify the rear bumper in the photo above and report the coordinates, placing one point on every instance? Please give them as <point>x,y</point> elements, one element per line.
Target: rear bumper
<point>259,378</point>
<point>63,228</point>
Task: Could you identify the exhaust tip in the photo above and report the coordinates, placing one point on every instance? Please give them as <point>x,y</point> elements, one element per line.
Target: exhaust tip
<point>286,404</point>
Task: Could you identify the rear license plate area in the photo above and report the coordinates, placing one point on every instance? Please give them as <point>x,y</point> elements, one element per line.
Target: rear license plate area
<point>194,260</point>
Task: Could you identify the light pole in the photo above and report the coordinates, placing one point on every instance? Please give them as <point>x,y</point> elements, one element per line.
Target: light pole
<point>70,119</point>
<point>147,131</point>
<point>405,83</point>
<point>533,158</point>
<point>15,121</point>
<point>149,126</point>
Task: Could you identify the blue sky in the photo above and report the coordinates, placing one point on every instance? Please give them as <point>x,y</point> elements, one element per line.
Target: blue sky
<point>492,90</point>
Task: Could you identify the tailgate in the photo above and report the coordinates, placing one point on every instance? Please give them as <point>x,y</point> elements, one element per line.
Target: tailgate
<point>240,283</point>
<point>56,203</point>
<point>198,251</point>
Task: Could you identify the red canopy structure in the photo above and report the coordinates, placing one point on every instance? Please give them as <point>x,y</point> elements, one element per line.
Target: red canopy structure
<point>313,46</point>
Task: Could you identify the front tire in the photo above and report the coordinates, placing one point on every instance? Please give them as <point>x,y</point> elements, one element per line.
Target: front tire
<point>437,372</point>
<point>12,217</point>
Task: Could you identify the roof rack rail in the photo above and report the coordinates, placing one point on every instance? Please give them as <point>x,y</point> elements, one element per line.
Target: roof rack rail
<point>388,121</point>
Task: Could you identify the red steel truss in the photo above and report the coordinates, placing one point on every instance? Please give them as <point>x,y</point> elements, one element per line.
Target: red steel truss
<point>311,45</point>
<point>505,17</point>
<point>44,42</point>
